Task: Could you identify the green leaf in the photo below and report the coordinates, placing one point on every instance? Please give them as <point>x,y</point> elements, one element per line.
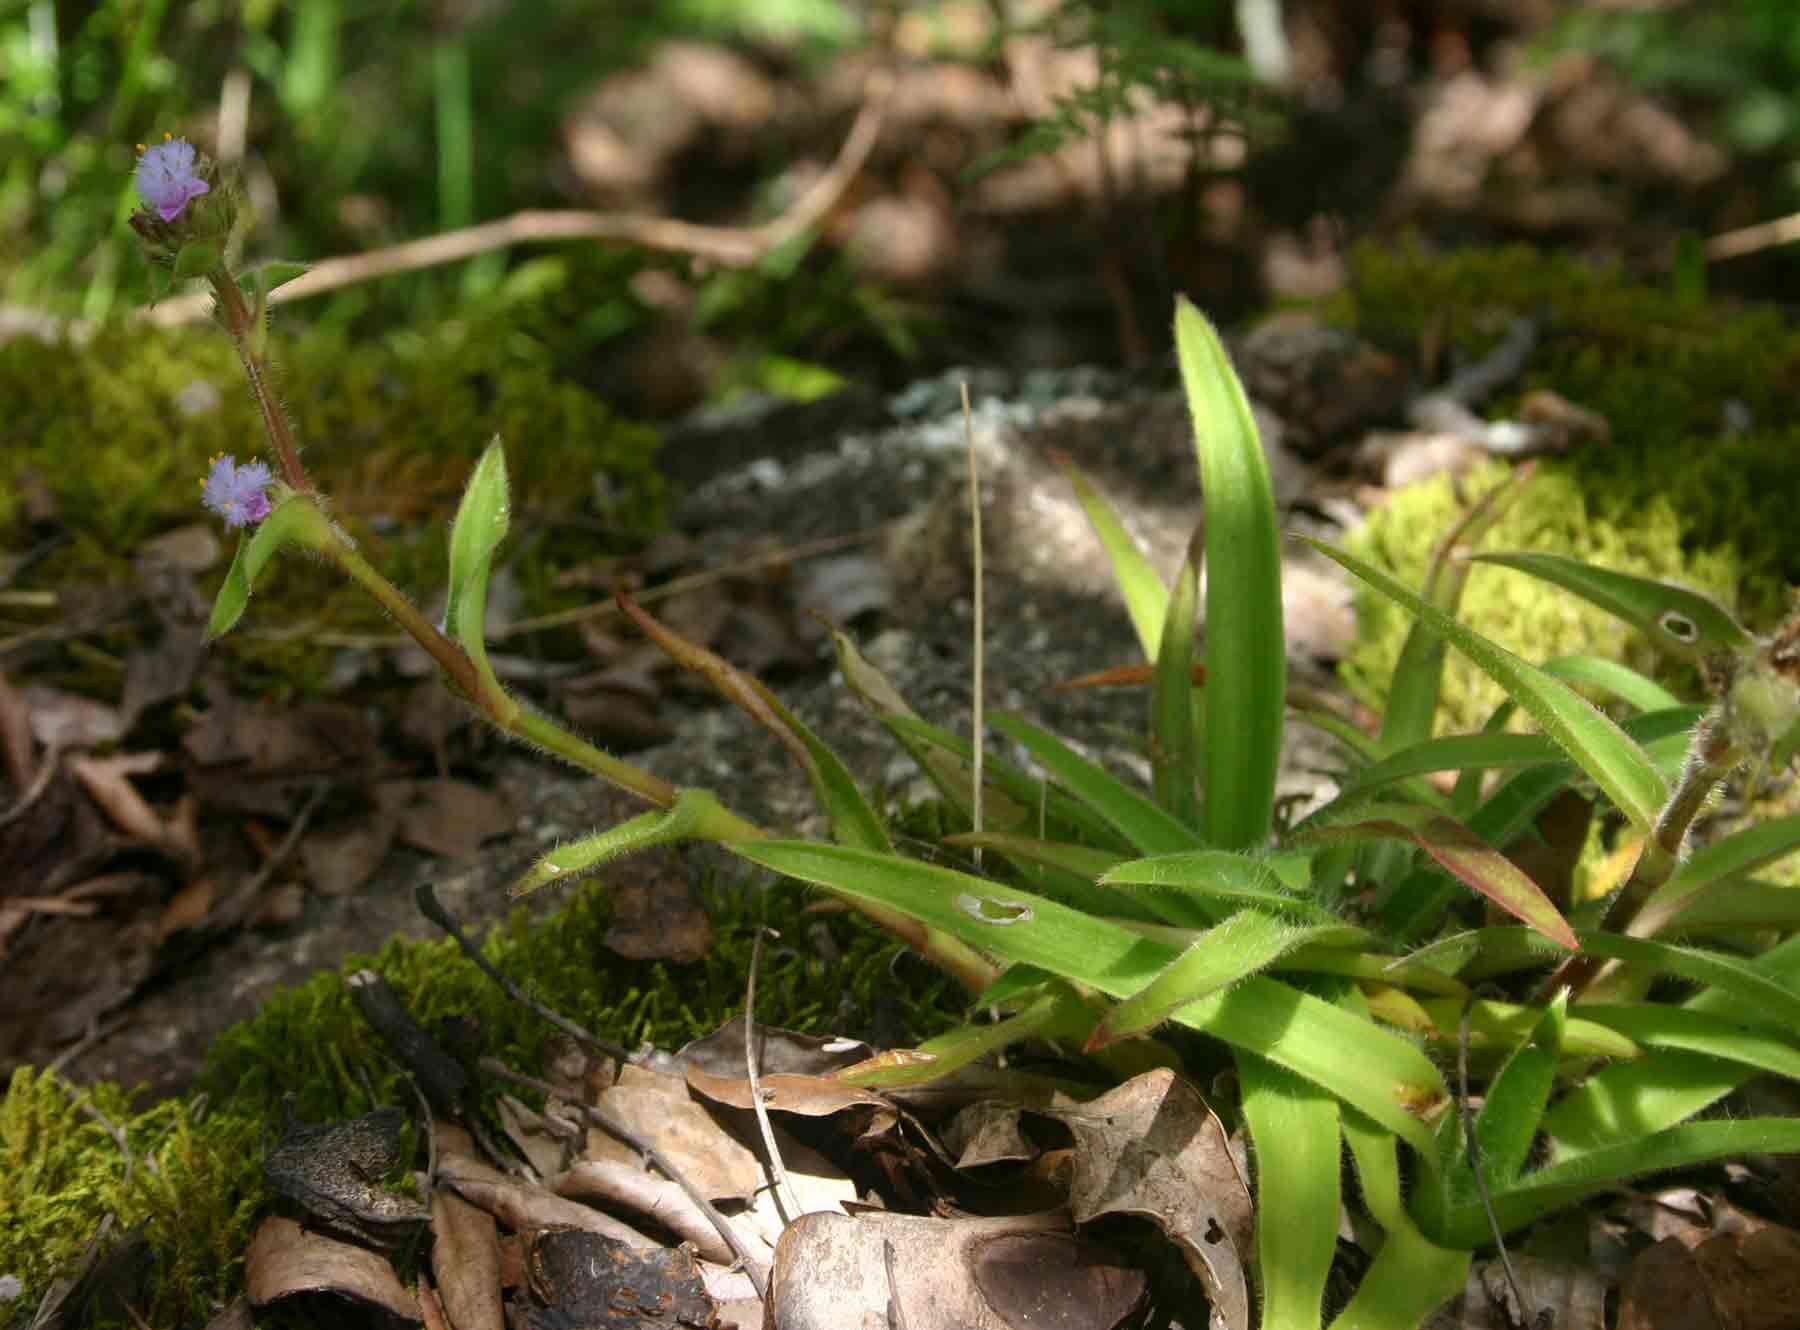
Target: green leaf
<point>1659,1025</point>
<point>1419,673</point>
<point>1243,944</point>
<point>1739,853</point>
<point>1381,1074</point>
<point>1411,1276</point>
<point>1637,1098</point>
<point>1563,1184</point>
<point>293,521</point>
<point>1599,747</point>
<point>1681,621</point>
<point>1036,803</point>
<point>266,277</point>
<point>1516,1098</point>
<point>482,519</point>
<point>1764,1000</point>
<point>196,258</point>
<point>1609,676</point>
<point>1246,652</point>
<point>1463,854</point>
<point>1218,880</point>
<point>1174,750</point>
<point>1146,599</point>
<point>1137,819</point>
<point>1294,1137</point>
<point>568,863</point>
<point>1056,1015</point>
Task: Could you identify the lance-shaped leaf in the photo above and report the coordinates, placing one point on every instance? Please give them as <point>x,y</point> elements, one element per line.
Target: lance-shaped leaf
<point>853,820</point>
<point>1174,747</point>
<point>566,863</point>
<point>294,520</point>
<point>1137,819</point>
<point>1465,1222</point>
<point>1246,652</point>
<point>1739,853</point>
<point>1461,853</point>
<point>1383,1075</point>
<point>1218,880</point>
<point>1419,673</point>
<point>266,277</point>
<point>1599,747</point>
<point>482,519</point>
<point>1685,622</point>
<point>1146,599</point>
<point>1241,945</point>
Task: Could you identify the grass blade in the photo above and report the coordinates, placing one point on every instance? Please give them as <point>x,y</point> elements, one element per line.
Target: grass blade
<point>1146,599</point>
<point>1137,819</point>
<point>1246,652</point>
<point>1174,748</point>
<point>1599,747</point>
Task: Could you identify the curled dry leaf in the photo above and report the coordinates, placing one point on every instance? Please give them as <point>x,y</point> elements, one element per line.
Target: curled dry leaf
<point>285,1260</point>
<point>521,1207</point>
<point>1153,1148</point>
<point>628,1187</point>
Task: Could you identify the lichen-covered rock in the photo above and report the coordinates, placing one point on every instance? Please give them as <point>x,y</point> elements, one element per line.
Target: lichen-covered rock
<point>1696,486</point>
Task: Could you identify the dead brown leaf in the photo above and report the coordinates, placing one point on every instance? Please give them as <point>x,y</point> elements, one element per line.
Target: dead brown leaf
<point>285,1261</point>
<point>522,1207</point>
<point>878,1269</point>
<point>465,1261</point>
<point>448,817</point>
<point>658,1108</point>
<point>1153,1148</point>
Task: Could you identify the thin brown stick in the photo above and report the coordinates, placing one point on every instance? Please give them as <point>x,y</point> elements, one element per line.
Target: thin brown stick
<point>1751,239</point>
<point>600,1118</point>
<point>425,897</point>
<point>730,246</point>
<point>784,1192</point>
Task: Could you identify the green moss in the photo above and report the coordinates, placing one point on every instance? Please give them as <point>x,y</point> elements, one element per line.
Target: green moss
<point>195,1181</point>
<point>120,431</point>
<point>1673,495</point>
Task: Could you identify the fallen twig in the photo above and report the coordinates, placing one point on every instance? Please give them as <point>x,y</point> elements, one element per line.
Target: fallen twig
<point>600,1118</point>
<point>731,246</point>
<point>429,906</point>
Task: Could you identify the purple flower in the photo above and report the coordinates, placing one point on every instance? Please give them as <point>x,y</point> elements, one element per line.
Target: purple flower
<point>236,492</point>
<point>166,178</point>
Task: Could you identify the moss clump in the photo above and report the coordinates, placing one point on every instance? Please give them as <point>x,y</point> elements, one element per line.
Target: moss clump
<point>195,1182</point>
<point>1674,496</point>
<point>120,430</point>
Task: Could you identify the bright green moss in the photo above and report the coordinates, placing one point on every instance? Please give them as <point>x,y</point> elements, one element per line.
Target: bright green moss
<point>120,430</point>
<point>196,1182</point>
<point>1673,496</point>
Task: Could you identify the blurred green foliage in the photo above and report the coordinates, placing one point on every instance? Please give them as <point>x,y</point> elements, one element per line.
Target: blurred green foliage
<point>1738,59</point>
<point>368,120</point>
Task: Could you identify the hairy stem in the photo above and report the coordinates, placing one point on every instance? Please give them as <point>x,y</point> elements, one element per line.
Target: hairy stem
<point>238,320</point>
